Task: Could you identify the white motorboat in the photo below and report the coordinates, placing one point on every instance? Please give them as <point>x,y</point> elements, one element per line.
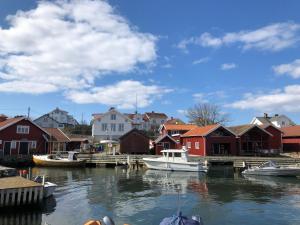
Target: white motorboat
<point>270,168</point>
<point>175,160</point>
<point>49,187</point>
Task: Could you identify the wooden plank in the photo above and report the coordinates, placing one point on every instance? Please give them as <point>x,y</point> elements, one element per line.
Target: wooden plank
<point>13,197</point>
<point>2,197</point>
<point>24,196</point>
<point>19,196</point>
<point>30,190</point>
<point>36,192</point>
<point>7,193</point>
<point>41,194</point>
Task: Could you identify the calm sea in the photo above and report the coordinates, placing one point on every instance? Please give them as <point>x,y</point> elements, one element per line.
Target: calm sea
<point>146,197</point>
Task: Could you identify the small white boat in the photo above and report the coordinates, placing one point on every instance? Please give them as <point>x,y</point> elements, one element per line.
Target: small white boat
<point>175,160</point>
<point>270,168</point>
<point>49,187</point>
<point>56,161</point>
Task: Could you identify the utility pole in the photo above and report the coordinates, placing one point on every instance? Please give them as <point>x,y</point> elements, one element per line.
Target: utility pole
<point>28,112</point>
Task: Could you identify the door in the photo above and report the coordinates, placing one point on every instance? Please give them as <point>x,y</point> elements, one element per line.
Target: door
<point>7,148</point>
<point>166,145</point>
<point>23,150</point>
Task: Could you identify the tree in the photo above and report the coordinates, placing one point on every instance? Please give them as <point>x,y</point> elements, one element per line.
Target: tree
<point>204,114</point>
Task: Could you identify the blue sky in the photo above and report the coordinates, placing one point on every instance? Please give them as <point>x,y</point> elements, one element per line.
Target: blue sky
<point>85,56</point>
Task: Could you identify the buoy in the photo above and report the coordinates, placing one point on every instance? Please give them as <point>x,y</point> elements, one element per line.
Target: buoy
<point>24,172</point>
<point>93,222</point>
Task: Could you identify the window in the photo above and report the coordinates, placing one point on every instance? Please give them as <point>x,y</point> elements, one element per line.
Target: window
<point>113,116</point>
<point>22,129</point>
<point>104,126</point>
<point>33,144</point>
<point>45,119</point>
<point>113,127</point>
<point>60,125</point>
<point>121,127</point>
<point>154,121</point>
<point>188,145</point>
<point>13,145</point>
<point>196,145</point>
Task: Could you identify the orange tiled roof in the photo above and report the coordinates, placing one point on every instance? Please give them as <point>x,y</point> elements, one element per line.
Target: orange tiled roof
<point>291,131</point>
<point>57,135</point>
<point>200,131</point>
<point>180,126</point>
<point>10,121</point>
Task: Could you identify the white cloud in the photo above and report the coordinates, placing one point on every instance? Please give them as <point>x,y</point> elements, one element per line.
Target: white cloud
<point>66,45</point>
<point>228,66</point>
<point>122,94</point>
<point>292,69</point>
<point>287,99</point>
<point>200,97</point>
<point>273,37</point>
<point>182,111</point>
<point>201,60</point>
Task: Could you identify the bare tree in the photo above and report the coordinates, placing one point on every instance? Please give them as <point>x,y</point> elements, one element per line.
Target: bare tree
<point>204,114</point>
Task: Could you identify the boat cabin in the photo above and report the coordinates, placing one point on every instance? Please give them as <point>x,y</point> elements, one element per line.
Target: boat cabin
<point>175,154</point>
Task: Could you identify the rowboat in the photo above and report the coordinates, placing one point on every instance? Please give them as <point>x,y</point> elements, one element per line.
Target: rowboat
<point>55,161</point>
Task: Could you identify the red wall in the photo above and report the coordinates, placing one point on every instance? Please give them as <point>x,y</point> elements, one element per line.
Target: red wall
<point>159,147</point>
<point>222,140</point>
<point>291,144</point>
<point>193,151</point>
<point>35,134</point>
<point>276,140</point>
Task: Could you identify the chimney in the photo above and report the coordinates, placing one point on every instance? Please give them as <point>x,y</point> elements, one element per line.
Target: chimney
<point>3,117</point>
<point>276,115</point>
<point>266,115</point>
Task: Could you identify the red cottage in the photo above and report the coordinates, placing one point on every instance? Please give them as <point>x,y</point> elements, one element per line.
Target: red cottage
<point>165,142</point>
<point>291,138</point>
<point>276,138</point>
<point>210,140</point>
<point>175,130</point>
<point>134,142</point>
<point>21,136</point>
<point>252,139</point>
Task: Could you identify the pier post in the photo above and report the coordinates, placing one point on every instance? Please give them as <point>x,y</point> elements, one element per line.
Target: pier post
<point>1,197</point>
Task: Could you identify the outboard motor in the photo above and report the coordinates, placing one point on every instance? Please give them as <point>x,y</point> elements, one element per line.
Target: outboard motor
<point>181,220</point>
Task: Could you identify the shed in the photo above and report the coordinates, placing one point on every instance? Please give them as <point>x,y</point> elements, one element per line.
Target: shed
<point>134,142</point>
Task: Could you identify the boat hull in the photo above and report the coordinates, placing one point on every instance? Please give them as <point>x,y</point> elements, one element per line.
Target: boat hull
<point>44,161</point>
<point>175,166</point>
<point>286,172</point>
<point>49,189</point>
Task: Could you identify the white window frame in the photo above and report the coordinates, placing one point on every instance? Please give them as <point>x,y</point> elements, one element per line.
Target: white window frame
<point>197,145</point>
<point>121,127</point>
<point>113,116</point>
<point>33,145</point>
<point>188,144</point>
<point>21,129</point>
<point>113,127</point>
<point>13,145</point>
<point>104,126</point>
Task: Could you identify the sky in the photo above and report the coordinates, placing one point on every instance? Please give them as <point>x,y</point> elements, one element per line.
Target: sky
<point>86,56</point>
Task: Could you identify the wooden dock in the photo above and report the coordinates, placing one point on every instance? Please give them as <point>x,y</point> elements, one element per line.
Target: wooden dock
<point>237,162</point>
<point>16,191</point>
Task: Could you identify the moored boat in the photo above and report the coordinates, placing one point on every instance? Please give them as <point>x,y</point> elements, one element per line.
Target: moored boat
<point>270,168</point>
<point>55,161</point>
<point>175,160</point>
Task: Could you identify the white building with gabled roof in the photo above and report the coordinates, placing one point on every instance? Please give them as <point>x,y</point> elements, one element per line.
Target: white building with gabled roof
<point>110,125</point>
<point>277,120</point>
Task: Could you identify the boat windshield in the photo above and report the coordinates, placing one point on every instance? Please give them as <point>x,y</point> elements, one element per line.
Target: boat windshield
<point>269,164</point>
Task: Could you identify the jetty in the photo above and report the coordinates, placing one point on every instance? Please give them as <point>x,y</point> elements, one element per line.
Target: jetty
<point>17,191</point>
<point>237,162</point>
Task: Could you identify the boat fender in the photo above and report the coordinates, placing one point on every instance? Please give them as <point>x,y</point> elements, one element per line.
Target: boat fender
<point>108,221</point>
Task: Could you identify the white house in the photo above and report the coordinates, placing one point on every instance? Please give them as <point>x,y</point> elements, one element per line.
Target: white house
<point>276,120</point>
<point>153,120</point>
<point>56,119</point>
<point>110,125</point>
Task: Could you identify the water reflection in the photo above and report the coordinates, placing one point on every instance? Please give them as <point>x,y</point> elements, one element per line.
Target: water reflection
<point>145,197</point>
<point>29,215</point>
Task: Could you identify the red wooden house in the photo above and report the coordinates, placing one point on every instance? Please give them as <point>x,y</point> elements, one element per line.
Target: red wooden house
<point>134,142</point>
<point>291,138</point>
<point>254,140</point>
<point>165,142</point>
<point>276,138</point>
<point>21,136</point>
<point>175,130</point>
<point>210,140</point>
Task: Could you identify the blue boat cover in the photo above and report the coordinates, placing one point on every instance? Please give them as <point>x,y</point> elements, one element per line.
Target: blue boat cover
<point>179,220</point>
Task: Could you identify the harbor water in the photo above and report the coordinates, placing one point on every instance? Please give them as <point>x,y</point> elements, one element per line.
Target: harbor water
<point>145,197</point>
